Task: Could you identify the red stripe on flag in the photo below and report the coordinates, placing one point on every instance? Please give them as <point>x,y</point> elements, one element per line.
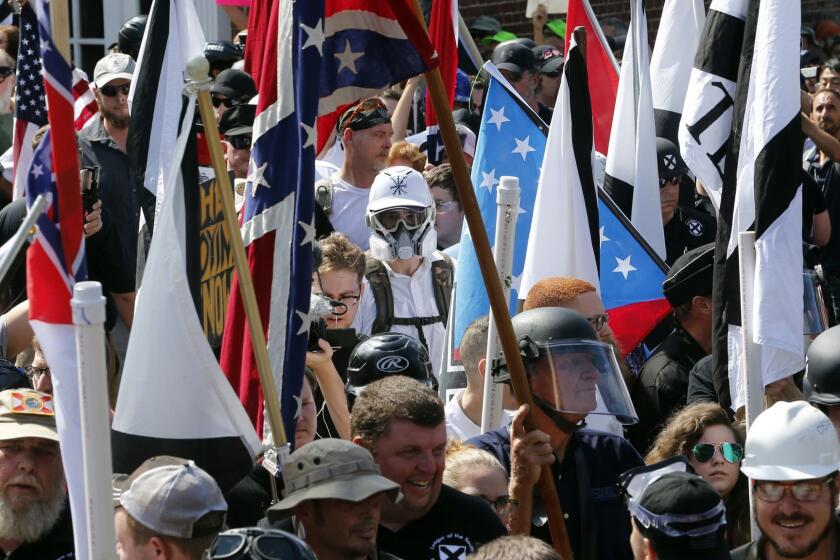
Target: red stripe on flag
<point>442,34</point>
<point>632,323</point>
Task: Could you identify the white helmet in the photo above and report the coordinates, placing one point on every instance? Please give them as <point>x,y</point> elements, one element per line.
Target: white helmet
<point>401,215</point>
<point>791,441</point>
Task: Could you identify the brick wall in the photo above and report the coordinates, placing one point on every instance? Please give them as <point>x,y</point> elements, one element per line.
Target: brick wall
<point>511,13</point>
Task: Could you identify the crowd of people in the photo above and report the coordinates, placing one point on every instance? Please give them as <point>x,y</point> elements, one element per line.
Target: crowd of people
<point>646,462</point>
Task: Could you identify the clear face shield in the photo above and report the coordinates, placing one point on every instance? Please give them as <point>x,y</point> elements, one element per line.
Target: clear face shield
<point>580,377</point>
<point>816,315</point>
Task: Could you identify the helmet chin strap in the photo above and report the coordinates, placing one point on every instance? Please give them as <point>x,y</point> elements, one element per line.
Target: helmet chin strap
<point>558,418</point>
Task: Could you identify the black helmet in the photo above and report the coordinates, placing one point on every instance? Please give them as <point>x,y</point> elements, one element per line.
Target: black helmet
<point>671,163</point>
<point>257,543</point>
<point>547,324</point>
<point>387,354</point>
<point>222,54</point>
<point>131,35</point>
<point>821,383</point>
<point>514,57</point>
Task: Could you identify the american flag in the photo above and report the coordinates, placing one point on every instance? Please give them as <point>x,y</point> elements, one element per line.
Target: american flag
<point>56,260</point>
<point>278,226</point>
<point>30,106</point>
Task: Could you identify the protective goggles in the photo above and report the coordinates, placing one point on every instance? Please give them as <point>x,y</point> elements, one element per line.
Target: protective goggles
<point>390,219</point>
<point>369,112</point>
<point>262,544</point>
<point>670,181</point>
<point>802,491</point>
<point>731,452</point>
<point>580,377</point>
<point>633,484</point>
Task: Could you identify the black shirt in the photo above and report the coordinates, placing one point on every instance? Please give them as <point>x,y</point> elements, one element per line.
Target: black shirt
<point>455,526</point>
<point>57,544</point>
<point>827,176</point>
<point>687,230</point>
<point>595,512</point>
<point>662,386</point>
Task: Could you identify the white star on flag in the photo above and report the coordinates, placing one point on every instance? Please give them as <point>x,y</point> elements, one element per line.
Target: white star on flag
<point>498,117</point>
<point>603,236</point>
<point>523,147</point>
<point>314,37</point>
<point>37,170</point>
<point>304,322</point>
<point>309,230</point>
<point>257,179</point>
<point>623,266</point>
<point>489,180</point>
<point>310,135</point>
<point>347,58</point>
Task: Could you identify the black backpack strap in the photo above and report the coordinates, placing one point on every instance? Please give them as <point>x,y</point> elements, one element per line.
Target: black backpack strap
<point>380,285</point>
<point>443,272</point>
<point>324,195</point>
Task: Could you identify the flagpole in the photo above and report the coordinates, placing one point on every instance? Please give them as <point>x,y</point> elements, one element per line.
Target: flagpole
<point>26,232</point>
<point>60,23</point>
<point>198,70</point>
<point>490,275</point>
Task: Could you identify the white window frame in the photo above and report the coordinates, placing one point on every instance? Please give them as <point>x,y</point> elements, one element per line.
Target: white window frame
<point>114,13</point>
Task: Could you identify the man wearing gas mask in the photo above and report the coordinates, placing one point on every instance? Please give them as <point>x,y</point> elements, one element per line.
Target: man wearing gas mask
<point>569,370</point>
<point>409,283</point>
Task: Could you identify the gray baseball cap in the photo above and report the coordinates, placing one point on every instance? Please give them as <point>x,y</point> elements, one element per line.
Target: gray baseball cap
<point>173,497</point>
<point>112,67</point>
<point>330,469</point>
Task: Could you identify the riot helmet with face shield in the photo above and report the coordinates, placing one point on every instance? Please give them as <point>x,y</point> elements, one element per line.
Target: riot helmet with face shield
<point>570,371</point>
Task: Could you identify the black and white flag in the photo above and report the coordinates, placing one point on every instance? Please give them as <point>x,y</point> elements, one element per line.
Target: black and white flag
<point>762,190</point>
<point>632,177</point>
<point>670,64</point>
<point>706,123</point>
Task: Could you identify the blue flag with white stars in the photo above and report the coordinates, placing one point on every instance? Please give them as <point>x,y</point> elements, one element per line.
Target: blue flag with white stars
<point>509,143</point>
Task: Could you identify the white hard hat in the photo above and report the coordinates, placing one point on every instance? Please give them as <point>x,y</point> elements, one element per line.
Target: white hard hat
<point>399,186</point>
<point>791,441</point>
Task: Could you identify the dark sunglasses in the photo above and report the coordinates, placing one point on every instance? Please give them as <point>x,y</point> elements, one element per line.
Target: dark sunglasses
<point>229,103</point>
<point>111,91</point>
<point>803,491</point>
<point>670,180</point>
<point>239,142</point>
<point>6,71</point>
<point>364,106</point>
<point>731,452</point>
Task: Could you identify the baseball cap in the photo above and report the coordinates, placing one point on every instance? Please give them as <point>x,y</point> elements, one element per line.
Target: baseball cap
<point>234,84</point>
<point>399,186</point>
<point>558,27</point>
<point>330,469</point>
<point>549,59</point>
<point>499,37</point>
<point>514,56</point>
<point>485,25</point>
<point>171,496</point>
<point>113,67</point>
<point>238,121</point>
<point>690,275</point>
<point>27,413</point>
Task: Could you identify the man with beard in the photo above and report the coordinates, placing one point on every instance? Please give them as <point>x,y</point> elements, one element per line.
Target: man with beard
<point>365,131</point>
<point>792,458</point>
<point>103,145</point>
<point>336,493</point>
<point>826,172</point>
<point>401,422</point>
<point>34,518</point>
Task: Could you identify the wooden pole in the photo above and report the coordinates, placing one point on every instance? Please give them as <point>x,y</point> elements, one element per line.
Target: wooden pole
<point>60,23</point>
<point>507,337</point>
<point>198,71</point>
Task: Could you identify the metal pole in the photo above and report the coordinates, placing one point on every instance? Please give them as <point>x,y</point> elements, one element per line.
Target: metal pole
<point>750,355</point>
<point>507,201</point>
<point>25,233</point>
<point>88,305</point>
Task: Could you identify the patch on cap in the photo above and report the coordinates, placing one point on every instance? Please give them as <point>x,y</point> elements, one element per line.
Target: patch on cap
<point>32,402</point>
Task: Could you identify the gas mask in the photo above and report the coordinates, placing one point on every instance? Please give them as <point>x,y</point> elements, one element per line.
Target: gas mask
<point>402,233</point>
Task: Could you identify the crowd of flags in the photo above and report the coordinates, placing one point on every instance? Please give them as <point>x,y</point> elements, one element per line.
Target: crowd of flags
<point>733,108</point>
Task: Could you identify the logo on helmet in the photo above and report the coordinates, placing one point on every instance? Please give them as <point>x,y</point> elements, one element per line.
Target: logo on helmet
<point>392,364</point>
<point>399,187</point>
<point>670,161</point>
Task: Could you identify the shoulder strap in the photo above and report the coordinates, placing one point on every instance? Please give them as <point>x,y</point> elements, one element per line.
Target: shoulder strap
<point>380,285</point>
<point>324,194</point>
<point>442,274</point>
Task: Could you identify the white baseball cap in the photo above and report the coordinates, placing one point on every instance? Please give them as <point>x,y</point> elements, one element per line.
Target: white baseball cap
<point>113,67</point>
<point>399,186</point>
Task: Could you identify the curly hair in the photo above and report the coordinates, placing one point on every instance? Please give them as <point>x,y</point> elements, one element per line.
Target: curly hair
<point>682,431</point>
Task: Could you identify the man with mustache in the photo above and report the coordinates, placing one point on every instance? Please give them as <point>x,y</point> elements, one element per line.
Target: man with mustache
<point>335,491</point>
<point>792,460</point>
<point>34,517</point>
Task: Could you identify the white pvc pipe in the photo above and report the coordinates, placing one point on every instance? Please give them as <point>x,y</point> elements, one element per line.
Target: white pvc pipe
<point>89,317</point>
<point>25,232</point>
<point>507,202</point>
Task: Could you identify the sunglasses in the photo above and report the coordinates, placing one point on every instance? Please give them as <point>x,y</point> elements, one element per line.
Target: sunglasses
<point>5,72</point>
<point>598,321</point>
<point>803,491</point>
<point>731,452</point>
<point>669,180</point>
<point>239,142</point>
<point>229,103</point>
<point>389,220</point>
<point>238,546</point>
<point>111,91</point>
<point>364,106</point>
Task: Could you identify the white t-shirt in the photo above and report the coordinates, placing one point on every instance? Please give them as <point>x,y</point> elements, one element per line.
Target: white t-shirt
<point>349,205</point>
<point>413,296</point>
<point>459,426</point>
